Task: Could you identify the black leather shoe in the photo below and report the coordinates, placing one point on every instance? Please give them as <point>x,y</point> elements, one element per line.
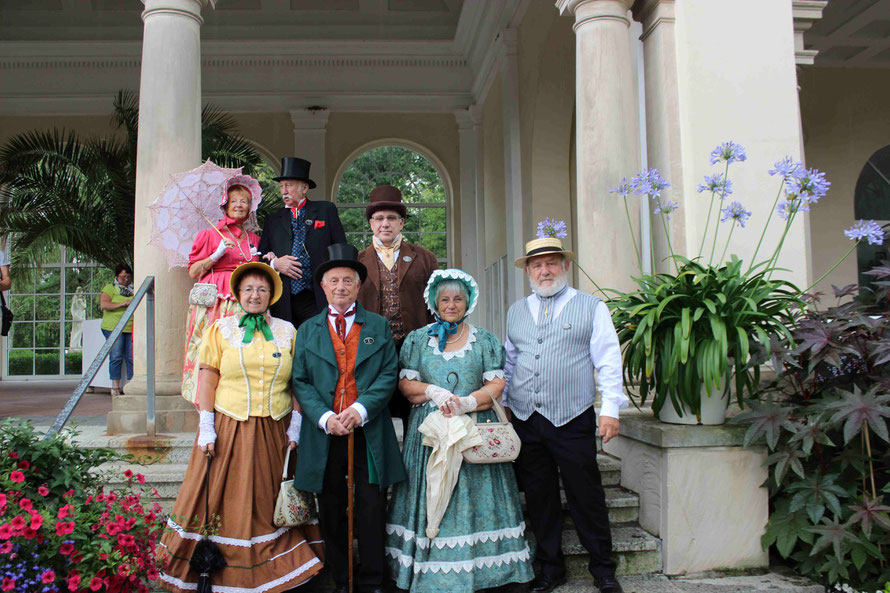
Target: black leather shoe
<point>546,583</point>
<point>608,584</point>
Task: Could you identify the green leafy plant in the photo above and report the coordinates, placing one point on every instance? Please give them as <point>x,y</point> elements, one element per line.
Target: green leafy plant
<point>824,422</point>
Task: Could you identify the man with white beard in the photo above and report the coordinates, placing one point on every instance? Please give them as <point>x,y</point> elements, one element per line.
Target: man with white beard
<point>556,338</point>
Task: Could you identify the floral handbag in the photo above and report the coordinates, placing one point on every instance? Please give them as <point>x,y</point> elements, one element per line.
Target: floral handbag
<point>293,507</point>
<point>204,294</point>
<point>501,443</point>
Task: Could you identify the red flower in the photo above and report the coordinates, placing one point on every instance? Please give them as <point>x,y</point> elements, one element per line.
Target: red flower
<point>5,531</point>
<point>17,477</point>
<point>2,500</point>
<point>140,478</point>
<point>63,512</point>
<point>66,548</point>
<point>95,584</point>
<point>74,582</point>
<point>42,490</point>
<point>8,583</point>
<point>36,521</point>
<point>69,493</point>
<point>5,547</point>
<point>128,473</point>
<point>112,528</point>
<point>47,577</point>
<point>13,455</point>
<point>30,533</point>
<point>125,539</point>
<point>64,528</point>
<point>25,504</point>
<point>18,523</point>
<point>24,464</point>
<point>152,573</point>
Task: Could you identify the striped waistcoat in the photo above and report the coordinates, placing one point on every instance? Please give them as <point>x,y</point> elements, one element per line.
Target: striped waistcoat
<point>554,375</point>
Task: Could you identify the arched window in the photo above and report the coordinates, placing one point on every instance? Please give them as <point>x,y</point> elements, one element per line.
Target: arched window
<point>423,190</point>
<point>872,202</point>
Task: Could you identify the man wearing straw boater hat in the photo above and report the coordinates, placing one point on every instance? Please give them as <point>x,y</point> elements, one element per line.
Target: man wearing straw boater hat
<point>345,371</point>
<point>397,275</point>
<point>556,338</point>
<point>294,241</point>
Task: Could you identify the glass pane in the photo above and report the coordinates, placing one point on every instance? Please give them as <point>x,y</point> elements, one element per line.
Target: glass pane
<point>76,306</point>
<point>412,221</point>
<point>353,220</point>
<point>47,335</point>
<point>77,278</point>
<point>21,362</point>
<point>22,283</point>
<point>48,280</point>
<point>22,335</point>
<point>411,237</point>
<point>433,220</point>
<point>47,362</point>
<point>435,243</point>
<point>101,277</point>
<point>93,309</point>
<point>48,307</point>
<point>22,307</point>
<point>73,362</point>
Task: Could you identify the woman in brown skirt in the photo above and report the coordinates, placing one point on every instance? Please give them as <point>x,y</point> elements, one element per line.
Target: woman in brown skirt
<point>246,424</point>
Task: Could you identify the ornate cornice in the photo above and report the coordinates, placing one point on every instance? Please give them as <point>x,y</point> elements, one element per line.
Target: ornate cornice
<point>806,13</point>
<point>653,13</point>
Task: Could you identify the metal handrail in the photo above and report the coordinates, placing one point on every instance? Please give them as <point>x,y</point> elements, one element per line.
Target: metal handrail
<point>147,291</point>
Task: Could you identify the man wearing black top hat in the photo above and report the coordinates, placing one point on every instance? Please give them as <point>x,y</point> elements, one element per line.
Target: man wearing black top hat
<point>295,240</point>
<point>344,373</point>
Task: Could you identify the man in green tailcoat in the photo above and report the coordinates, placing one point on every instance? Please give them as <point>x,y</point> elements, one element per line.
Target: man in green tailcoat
<point>345,371</point>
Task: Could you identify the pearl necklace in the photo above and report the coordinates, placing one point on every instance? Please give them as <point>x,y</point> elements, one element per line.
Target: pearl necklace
<point>459,334</point>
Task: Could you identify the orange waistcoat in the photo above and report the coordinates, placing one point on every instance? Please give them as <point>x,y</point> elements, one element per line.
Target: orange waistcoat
<point>347,391</point>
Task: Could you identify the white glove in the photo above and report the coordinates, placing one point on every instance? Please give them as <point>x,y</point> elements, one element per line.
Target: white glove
<point>254,251</point>
<point>464,405</point>
<point>293,431</point>
<point>206,431</point>
<point>220,251</point>
<point>437,395</point>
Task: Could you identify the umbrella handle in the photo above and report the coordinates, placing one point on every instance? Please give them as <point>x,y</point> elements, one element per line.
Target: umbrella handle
<point>350,502</point>
<point>213,226</point>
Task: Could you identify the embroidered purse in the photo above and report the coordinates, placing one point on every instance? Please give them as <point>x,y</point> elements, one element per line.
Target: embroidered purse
<point>501,443</point>
<point>293,507</point>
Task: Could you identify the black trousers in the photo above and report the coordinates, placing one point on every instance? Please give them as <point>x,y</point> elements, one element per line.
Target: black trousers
<point>549,451</point>
<point>369,516</point>
<point>302,307</point>
<point>399,406</point>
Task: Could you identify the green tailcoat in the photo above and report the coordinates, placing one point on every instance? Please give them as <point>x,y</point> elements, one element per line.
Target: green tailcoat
<point>315,377</point>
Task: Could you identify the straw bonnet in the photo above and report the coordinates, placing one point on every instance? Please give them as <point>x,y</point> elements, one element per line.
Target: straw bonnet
<point>262,268</point>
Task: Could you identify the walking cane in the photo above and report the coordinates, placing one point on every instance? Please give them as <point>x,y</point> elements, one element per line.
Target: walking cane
<point>350,501</point>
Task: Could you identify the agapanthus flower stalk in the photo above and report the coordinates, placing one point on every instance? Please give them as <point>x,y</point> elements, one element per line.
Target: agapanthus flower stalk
<point>862,230</point>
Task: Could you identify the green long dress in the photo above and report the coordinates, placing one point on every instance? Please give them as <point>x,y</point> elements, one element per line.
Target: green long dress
<point>481,541</point>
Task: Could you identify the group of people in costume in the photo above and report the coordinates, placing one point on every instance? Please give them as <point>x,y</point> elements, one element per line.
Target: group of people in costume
<point>315,346</point>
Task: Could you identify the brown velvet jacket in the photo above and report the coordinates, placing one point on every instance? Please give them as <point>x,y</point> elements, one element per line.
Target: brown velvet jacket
<point>413,276</point>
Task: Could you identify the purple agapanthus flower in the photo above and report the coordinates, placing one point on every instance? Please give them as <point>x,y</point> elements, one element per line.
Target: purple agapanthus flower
<point>622,188</point>
<point>737,213</point>
<point>786,167</point>
<point>808,185</point>
<point>728,152</point>
<point>868,230</point>
<point>648,183</point>
<point>791,205</point>
<point>717,184</point>
<point>550,227</point>
<point>666,207</point>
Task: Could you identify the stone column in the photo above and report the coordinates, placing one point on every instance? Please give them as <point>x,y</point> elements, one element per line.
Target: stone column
<point>516,201</point>
<point>169,142</point>
<point>606,139</point>
<point>472,210</point>
<point>310,127</point>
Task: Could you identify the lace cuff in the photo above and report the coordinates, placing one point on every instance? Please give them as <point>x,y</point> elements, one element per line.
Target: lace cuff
<point>491,375</point>
<point>409,374</point>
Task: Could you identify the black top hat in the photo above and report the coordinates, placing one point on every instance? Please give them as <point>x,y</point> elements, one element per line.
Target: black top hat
<point>340,255</point>
<point>295,168</point>
<point>385,197</point>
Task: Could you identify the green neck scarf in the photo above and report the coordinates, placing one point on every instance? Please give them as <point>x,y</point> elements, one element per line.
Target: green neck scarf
<point>252,322</point>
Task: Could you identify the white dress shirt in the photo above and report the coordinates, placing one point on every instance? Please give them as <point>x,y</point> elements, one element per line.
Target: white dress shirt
<point>362,411</point>
<point>605,353</point>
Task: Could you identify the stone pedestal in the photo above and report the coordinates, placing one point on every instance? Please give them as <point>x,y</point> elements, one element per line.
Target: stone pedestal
<point>700,492</point>
<point>172,415</point>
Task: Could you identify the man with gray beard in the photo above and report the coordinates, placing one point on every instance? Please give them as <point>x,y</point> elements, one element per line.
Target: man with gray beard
<point>557,337</point>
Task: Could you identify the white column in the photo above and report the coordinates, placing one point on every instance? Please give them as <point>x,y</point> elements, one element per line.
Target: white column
<point>169,142</point>
<point>606,139</point>
<point>517,209</point>
<point>472,260</point>
<point>310,127</point>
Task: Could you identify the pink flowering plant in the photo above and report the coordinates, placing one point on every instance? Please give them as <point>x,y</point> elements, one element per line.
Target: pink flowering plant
<point>60,529</point>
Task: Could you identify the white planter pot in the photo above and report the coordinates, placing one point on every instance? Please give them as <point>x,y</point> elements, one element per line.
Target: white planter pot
<point>713,409</point>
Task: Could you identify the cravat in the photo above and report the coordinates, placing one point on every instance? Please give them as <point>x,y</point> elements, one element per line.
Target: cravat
<point>340,322</point>
<point>388,254</point>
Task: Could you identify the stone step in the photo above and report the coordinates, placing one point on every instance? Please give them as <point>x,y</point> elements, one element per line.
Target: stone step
<point>623,505</point>
<point>635,551</point>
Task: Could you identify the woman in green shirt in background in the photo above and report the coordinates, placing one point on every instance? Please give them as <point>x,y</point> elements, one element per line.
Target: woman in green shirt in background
<point>114,299</point>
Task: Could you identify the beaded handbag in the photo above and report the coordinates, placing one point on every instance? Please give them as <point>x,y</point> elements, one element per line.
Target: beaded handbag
<point>293,507</point>
<point>501,443</point>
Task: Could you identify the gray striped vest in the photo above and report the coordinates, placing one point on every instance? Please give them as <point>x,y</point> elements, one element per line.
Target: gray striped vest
<point>554,375</point>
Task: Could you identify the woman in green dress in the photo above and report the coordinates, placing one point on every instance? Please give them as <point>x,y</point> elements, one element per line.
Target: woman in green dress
<point>457,368</point>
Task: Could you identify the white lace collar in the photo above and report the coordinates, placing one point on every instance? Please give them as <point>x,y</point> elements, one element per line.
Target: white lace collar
<point>434,344</point>
<point>282,331</point>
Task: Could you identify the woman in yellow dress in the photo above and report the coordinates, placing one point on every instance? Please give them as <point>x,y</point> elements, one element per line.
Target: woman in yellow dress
<point>248,418</point>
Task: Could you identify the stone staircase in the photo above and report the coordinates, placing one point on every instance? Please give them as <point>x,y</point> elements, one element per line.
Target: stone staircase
<point>163,462</point>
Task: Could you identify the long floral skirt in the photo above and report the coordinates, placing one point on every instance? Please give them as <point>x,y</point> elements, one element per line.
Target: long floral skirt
<point>199,319</point>
<point>245,474</point>
<point>481,542</point>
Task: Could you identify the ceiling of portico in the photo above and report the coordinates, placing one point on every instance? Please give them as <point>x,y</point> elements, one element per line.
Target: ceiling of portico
<point>852,33</point>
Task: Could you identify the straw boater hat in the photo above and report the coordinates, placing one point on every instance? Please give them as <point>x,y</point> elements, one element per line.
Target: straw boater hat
<point>537,247</point>
<point>385,197</point>
<point>264,269</point>
<point>340,255</point>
